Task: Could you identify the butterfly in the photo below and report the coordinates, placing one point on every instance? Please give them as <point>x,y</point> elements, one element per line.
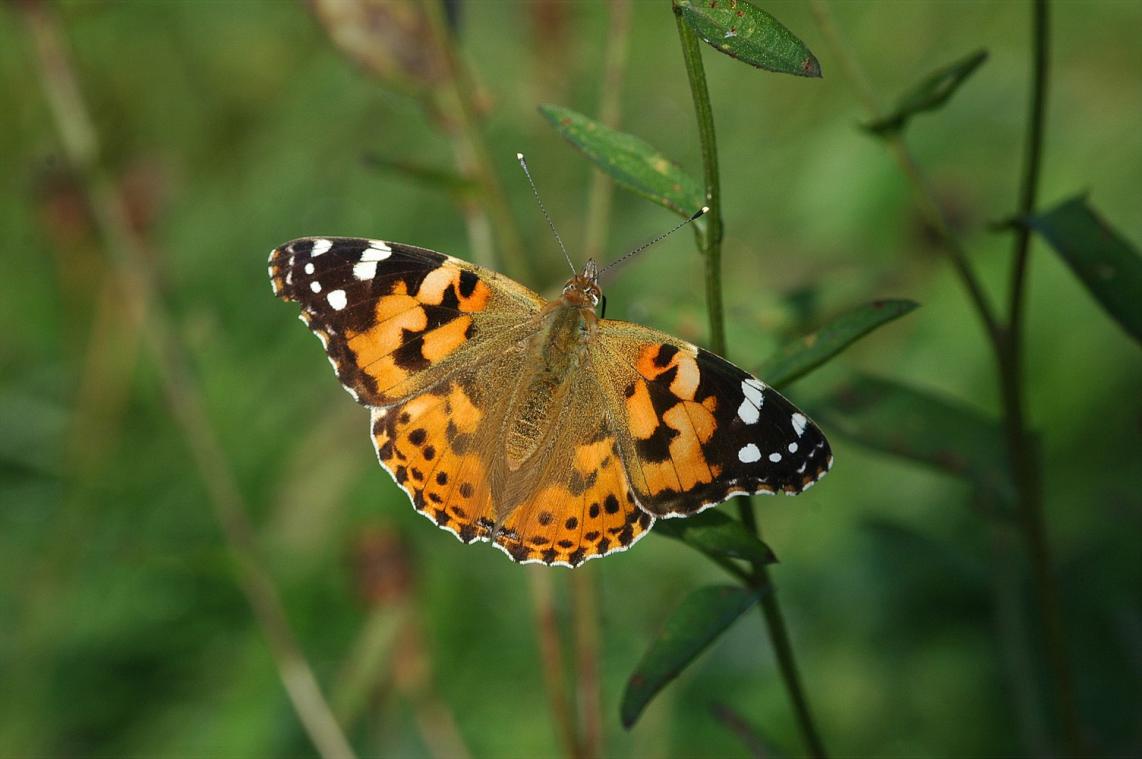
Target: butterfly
<point>555,434</point>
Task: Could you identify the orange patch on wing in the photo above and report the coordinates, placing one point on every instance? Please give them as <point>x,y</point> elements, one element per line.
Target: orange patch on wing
<point>387,334</point>
<point>592,514</point>
<point>686,376</point>
<point>478,300</point>
<point>660,476</point>
<point>686,447</point>
<point>389,306</point>
<point>640,412</point>
<point>438,282</point>
<point>448,486</point>
<point>446,338</point>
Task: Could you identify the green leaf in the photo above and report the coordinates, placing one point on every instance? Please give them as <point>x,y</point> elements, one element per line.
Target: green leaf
<point>632,163</point>
<point>1107,263</point>
<point>890,417</point>
<point>718,535</point>
<point>928,95</point>
<point>802,356</point>
<point>751,35</point>
<point>702,617</point>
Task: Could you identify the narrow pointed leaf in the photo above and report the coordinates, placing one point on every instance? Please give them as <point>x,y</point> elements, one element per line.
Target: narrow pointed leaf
<point>802,356</point>
<point>751,35</point>
<point>718,535</point>
<point>1106,262</point>
<point>890,417</point>
<point>936,89</point>
<point>695,624</point>
<point>631,162</point>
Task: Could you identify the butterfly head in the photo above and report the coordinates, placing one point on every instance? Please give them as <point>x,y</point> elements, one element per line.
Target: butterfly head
<point>583,289</point>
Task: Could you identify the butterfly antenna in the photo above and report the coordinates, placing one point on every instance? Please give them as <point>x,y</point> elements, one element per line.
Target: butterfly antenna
<point>697,215</point>
<point>539,200</point>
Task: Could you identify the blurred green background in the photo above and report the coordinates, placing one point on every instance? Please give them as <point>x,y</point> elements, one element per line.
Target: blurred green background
<point>233,127</point>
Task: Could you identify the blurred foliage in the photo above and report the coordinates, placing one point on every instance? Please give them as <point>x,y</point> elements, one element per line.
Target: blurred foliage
<point>232,127</point>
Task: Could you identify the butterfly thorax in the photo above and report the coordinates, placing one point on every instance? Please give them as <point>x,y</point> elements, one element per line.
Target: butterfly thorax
<point>557,351</point>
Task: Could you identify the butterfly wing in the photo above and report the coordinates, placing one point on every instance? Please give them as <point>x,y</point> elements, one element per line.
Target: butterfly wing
<point>700,429</point>
<point>571,501</point>
<point>396,319</point>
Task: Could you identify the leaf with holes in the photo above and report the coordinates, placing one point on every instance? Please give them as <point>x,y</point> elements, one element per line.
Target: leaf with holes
<point>695,624</point>
<point>890,417</point>
<point>1107,263</point>
<point>745,32</point>
<point>718,535</point>
<point>936,89</point>
<point>631,162</point>
<point>802,356</point>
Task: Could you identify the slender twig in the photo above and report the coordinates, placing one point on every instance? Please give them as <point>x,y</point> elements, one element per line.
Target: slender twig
<point>933,213</point>
<point>584,583</point>
<point>709,236</point>
<point>1005,341</point>
<point>491,193</point>
<point>140,293</point>
<point>585,610</point>
<point>551,655</point>
<point>1021,442</point>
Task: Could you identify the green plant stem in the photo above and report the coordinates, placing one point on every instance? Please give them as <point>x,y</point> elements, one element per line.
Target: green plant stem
<point>708,230</point>
<point>709,236</point>
<point>491,193</point>
<point>1005,341</point>
<point>140,293</point>
<point>1021,442</point>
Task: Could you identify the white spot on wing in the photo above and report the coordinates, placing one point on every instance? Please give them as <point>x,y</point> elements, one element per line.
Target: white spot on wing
<point>319,247</point>
<point>775,457</point>
<point>309,268</point>
<point>793,448</point>
<point>799,424</point>
<point>749,454</point>
<point>753,400</point>
<point>365,270</point>
<point>337,299</point>
<point>748,412</point>
<point>315,286</point>
<point>378,250</point>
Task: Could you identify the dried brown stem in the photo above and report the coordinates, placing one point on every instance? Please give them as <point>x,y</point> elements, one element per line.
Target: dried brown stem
<point>137,284</point>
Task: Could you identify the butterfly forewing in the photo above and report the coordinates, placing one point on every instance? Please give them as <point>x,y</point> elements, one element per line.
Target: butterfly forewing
<point>395,319</point>
<point>701,429</point>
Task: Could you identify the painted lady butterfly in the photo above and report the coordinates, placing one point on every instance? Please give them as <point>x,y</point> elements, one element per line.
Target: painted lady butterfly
<point>556,434</point>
